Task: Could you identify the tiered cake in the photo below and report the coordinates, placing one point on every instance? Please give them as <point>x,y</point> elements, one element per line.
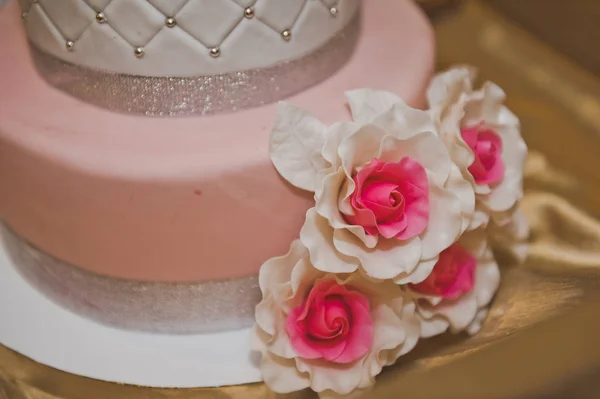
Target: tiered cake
<point>136,187</point>
<point>190,199</point>
<point>215,192</point>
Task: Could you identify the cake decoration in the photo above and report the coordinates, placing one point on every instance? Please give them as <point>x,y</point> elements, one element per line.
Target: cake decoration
<point>388,199</point>
<point>264,51</point>
<point>456,294</point>
<point>408,206</point>
<point>135,246</point>
<point>330,333</point>
<point>484,140</point>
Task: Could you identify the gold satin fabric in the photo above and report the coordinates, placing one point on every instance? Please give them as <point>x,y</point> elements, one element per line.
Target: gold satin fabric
<point>541,337</point>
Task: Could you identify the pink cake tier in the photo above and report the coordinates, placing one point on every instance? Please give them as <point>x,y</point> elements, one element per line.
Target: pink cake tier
<point>174,199</point>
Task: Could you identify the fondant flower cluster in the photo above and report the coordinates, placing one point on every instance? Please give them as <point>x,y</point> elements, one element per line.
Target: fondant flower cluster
<point>408,206</point>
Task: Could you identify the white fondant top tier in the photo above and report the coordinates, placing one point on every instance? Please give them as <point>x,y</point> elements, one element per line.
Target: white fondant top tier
<point>183,37</point>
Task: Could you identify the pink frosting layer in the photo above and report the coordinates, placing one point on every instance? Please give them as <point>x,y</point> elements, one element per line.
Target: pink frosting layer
<point>174,199</point>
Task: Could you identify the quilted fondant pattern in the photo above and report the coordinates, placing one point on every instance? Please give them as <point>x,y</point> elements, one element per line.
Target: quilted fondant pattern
<point>203,37</point>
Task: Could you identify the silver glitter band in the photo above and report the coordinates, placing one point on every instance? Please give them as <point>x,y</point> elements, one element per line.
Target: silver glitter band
<point>134,305</point>
<point>181,96</point>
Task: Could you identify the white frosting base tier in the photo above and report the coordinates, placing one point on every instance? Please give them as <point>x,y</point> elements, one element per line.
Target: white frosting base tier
<point>47,333</point>
<point>175,199</point>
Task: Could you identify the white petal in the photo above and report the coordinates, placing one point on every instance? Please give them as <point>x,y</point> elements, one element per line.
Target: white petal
<point>326,203</point>
<point>446,87</point>
<point>412,327</point>
<point>337,133</point>
<point>487,281</point>
<point>481,217</point>
<point>436,325</point>
<point>477,323</point>
<point>366,104</point>
<point>504,196</point>
<point>317,236</point>
<point>280,345</point>
<point>360,148</point>
<point>483,105</point>
<point>266,315</point>
<point>258,339</point>
<point>493,102</point>
<point>387,260</point>
<point>460,152</point>
<point>459,313</point>
<point>404,122</point>
<point>426,148</point>
<point>279,269</point>
<point>463,190</point>
<point>303,276</point>
<point>281,375</point>
<point>342,379</point>
<point>445,222</point>
<point>507,118</point>
<point>335,187</point>
<point>296,144</point>
<point>514,154</point>
<point>396,333</point>
<point>421,272</point>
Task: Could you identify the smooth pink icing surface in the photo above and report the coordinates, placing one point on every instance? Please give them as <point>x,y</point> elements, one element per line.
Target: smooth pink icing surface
<point>174,199</point>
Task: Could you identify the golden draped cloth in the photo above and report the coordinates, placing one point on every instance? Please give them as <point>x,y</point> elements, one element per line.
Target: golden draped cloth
<point>540,338</point>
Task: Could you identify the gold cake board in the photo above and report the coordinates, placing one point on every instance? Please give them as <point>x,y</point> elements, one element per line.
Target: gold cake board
<point>540,339</point>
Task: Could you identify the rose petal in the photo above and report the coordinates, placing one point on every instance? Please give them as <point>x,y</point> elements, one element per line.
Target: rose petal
<point>403,121</point>
<point>416,194</point>
<point>412,328</point>
<point>448,86</point>
<point>360,339</point>
<point>445,222</point>
<point>459,314</point>
<point>367,104</point>
<point>302,279</point>
<point>317,236</point>
<point>477,322</point>
<point>323,376</point>
<point>424,148</point>
<point>360,148</point>
<point>420,273</point>
<point>281,344</point>
<point>434,326</point>
<point>278,270</point>
<point>390,259</point>
<point>487,281</point>
<point>463,190</point>
<point>282,375</point>
<point>337,133</point>
<point>295,144</point>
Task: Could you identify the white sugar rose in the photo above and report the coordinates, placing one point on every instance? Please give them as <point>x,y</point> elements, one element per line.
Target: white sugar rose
<point>388,197</point>
<point>456,294</point>
<point>483,138</point>
<point>330,333</point>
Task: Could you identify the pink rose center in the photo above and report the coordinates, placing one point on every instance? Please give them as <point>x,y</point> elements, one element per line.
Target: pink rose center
<point>486,144</point>
<point>391,199</point>
<point>453,275</point>
<point>333,323</point>
<point>330,321</point>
